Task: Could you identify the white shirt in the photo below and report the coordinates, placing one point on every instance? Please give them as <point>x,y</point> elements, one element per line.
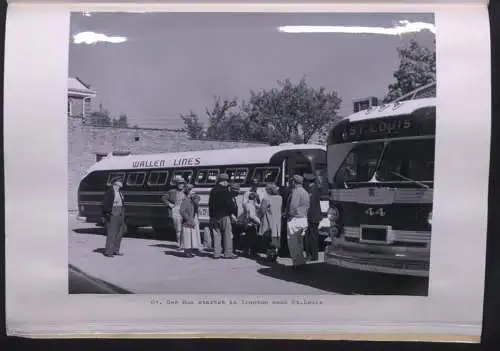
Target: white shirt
<point>118,198</point>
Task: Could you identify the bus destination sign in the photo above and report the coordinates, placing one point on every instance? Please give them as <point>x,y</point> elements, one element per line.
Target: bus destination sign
<point>377,129</point>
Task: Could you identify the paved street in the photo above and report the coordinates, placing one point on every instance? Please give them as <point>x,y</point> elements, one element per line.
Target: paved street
<point>153,266</point>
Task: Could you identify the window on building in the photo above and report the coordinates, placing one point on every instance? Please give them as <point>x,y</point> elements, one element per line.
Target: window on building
<point>113,175</point>
<point>87,106</point>
<point>158,178</point>
<point>99,157</point>
<point>77,107</point>
<point>136,178</point>
<point>186,174</point>
<point>237,175</point>
<point>121,153</point>
<point>207,176</point>
<point>266,174</point>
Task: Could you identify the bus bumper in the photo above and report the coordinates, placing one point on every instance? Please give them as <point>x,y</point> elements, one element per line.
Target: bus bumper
<point>388,262</point>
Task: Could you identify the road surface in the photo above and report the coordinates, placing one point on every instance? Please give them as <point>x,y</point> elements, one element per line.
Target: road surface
<point>153,266</point>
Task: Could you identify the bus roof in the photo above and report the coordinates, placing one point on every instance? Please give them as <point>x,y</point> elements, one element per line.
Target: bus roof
<point>203,158</point>
<point>393,109</point>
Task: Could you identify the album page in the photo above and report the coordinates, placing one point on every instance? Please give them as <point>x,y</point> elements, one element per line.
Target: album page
<point>298,171</point>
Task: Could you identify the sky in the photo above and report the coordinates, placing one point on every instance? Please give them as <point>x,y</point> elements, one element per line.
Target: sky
<point>155,66</point>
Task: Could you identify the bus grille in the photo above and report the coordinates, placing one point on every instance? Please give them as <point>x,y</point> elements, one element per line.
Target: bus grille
<point>389,263</point>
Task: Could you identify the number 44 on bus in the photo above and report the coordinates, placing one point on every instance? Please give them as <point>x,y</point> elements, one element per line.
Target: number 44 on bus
<point>381,177</point>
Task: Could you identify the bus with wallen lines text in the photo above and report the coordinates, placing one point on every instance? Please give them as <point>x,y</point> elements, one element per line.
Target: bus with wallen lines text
<point>381,179</point>
<point>147,177</point>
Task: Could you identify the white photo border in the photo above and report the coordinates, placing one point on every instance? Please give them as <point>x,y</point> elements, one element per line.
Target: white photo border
<point>36,152</point>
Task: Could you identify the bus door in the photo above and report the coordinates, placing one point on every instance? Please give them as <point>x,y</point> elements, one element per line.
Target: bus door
<point>309,166</point>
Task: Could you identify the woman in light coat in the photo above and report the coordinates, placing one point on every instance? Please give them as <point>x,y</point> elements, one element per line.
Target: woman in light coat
<point>190,239</point>
<point>270,214</point>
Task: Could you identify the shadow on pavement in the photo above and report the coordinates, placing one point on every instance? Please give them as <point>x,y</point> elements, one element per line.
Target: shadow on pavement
<point>176,253</point>
<point>81,283</point>
<point>165,246</point>
<point>96,231</point>
<point>345,281</point>
<point>140,233</point>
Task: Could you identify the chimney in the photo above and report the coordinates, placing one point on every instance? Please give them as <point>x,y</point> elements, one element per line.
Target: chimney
<point>365,103</point>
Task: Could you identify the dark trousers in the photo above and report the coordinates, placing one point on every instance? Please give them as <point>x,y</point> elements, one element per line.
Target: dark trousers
<point>237,230</point>
<point>222,231</point>
<point>115,228</point>
<point>251,240</point>
<point>312,240</point>
<point>283,249</point>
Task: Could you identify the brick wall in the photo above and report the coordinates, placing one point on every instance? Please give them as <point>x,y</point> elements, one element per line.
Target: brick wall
<point>84,142</point>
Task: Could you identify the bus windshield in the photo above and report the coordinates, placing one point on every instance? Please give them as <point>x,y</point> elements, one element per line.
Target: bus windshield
<point>389,161</point>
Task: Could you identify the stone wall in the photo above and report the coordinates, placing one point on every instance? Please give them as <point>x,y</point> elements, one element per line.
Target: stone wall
<point>85,142</point>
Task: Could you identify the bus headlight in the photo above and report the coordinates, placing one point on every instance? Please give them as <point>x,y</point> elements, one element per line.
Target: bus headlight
<point>333,214</point>
<point>429,218</point>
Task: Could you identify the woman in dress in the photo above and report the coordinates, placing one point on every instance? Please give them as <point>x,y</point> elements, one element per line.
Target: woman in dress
<point>190,241</point>
<point>270,214</point>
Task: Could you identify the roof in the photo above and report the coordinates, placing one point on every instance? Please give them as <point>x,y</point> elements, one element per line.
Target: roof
<point>412,95</point>
<point>75,85</point>
<point>392,109</point>
<point>203,158</point>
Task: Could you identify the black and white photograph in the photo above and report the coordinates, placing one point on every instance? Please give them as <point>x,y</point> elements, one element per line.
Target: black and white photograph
<point>251,153</point>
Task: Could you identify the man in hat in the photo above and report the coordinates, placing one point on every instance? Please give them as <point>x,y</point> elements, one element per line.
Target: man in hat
<point>114,215</point>
<point>173,200</point>
<point>221,208</point>
<point>297,220</point>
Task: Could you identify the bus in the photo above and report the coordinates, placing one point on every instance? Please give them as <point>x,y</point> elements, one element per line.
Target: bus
<point>147,177</point>
<point>381,177</point>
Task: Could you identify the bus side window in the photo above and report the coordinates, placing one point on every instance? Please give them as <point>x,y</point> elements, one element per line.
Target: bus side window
<point>158,178</point>
<point>136,178</point>
<point>237,175</point>
<point>266,174</point>
<point>115,175</point>
<point>186,174</point>
<point>207,176</point>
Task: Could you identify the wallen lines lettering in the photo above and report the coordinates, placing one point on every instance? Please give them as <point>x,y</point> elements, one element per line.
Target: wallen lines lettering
<point>183,161</point>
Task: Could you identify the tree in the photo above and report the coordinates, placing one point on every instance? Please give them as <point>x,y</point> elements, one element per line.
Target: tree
<point>292,110</point>
<point>99,118</point>
<point>193,127</point>
<point>224,120</point>
<point>289,113</point>
<point>120,122</point>
<point>417,68</point>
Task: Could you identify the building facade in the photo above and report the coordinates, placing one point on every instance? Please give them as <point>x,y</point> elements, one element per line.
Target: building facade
<point>366,103</point>
<point>88,144</point>
<point>81,98</point>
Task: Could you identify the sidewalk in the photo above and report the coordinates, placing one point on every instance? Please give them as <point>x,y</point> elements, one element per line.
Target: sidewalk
<point>152,266</point>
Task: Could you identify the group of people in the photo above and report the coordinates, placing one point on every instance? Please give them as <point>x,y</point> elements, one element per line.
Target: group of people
<point>252,222</point>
